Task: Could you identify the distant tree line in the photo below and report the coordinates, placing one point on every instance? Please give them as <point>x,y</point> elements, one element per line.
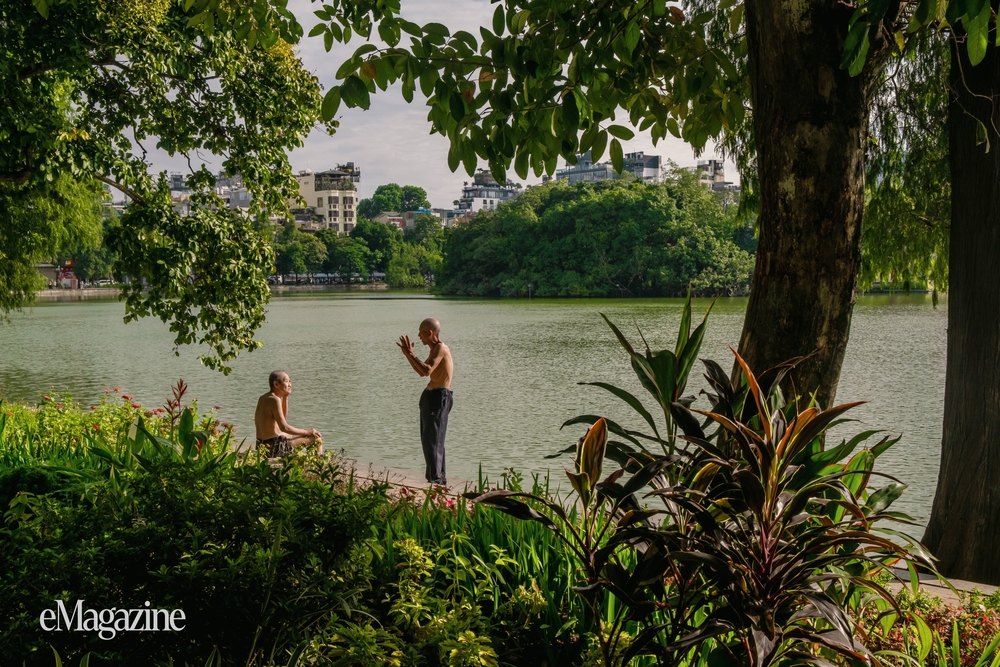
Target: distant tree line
<point>610,238</point>
<point>409,258</point>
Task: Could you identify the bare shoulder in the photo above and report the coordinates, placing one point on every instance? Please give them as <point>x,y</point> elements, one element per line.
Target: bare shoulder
<point>445,350</point>
<point>268,400</point>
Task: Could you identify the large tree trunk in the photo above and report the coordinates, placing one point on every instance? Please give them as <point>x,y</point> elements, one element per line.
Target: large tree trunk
<point>810,123</point>
<point>964,527</point>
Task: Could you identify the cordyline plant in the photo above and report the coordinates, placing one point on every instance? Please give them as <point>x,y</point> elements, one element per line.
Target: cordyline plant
<point>744,546</point>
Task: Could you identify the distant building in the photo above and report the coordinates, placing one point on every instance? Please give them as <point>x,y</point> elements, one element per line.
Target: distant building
<point>446,215</point>
<point>485,194</point>
<point>391,218</point>
<point>639,165</point>
<point>332,195</point>
<point>712,174</point>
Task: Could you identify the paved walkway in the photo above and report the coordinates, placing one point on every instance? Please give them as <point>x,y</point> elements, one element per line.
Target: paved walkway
<point>930,584</point>
<point>402,478</point>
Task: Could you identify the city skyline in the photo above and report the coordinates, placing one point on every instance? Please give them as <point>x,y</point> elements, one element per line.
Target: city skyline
<point>391,142</point>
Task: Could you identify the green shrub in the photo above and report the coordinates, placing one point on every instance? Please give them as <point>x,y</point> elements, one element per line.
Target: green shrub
<point>258,558</point>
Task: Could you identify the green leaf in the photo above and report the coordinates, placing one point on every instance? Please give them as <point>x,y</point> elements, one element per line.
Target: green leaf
<point>633,402</point>
<point>570,112</point>
<point>600,142</point>
<point>621,132</point>
<point>856,48</point>
<point>355,92</point>
<point>736,19</point>
<point>632,35</point>
<point>499,21</point>
<point>43,8</point>
<point>193,21</point>
<point>457,106</point>
<point>521,163</point>
<point>885,496</point>
<point>437,29</point>
<point>319,28</point>
<point>978,28</point>
<point>617,157</point>
<point>331,102</point>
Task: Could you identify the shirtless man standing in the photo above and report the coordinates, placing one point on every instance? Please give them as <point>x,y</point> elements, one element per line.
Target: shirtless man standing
<point>273,430</point>
<point>436,400</point>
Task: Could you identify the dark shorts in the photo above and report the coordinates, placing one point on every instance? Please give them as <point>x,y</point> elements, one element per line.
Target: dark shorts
<point>435,404</point>
<point>276,446</point>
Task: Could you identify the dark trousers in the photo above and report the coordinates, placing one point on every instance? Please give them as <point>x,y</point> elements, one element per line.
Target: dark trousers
<point>435,404</point>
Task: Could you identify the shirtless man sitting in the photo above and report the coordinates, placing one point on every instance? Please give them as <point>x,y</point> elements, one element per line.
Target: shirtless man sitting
<point>436,400</point>
<point>274,433</point>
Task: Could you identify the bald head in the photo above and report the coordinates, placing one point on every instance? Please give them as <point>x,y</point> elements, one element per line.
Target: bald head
<point>431,325</point>
<point>276,376</point>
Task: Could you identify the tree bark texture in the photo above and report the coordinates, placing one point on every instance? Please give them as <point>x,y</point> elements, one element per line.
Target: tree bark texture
<point>810,123</point>
<point>964,526</point>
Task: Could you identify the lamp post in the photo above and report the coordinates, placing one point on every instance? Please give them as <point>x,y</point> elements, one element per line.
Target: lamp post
<point>529,291</point>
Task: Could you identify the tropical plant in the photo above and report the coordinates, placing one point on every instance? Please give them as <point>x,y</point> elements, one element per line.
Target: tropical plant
<point>750,543</point>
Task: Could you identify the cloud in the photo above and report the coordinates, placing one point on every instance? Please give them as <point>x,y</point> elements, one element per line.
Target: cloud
<point>391,142</point>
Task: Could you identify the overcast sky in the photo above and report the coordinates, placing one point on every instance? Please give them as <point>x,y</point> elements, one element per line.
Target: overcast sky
<point>391,142</point>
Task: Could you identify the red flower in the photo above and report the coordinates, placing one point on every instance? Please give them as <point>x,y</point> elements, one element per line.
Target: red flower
<point>136,406</point>
<point>117,390</point>
<point>107,391</point>
<point>126,397</point>
<point>93,407</point>
<point>97,427</point>
<point>149,413</point>
<point>47,397</point>
<point>218,407</point>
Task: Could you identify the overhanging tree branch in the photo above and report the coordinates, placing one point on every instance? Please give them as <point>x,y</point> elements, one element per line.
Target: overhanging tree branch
<point>132,194</point>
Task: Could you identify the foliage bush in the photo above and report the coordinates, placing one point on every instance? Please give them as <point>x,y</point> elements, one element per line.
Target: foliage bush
<point>611,238</point>
<point>257,557</point>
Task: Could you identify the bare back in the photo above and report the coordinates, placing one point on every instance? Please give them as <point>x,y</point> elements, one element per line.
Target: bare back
<point>268,417</point>
<point>443,367</point>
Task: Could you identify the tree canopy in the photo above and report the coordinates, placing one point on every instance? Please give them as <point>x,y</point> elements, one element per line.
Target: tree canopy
<point>600,239</point>
<point>90,87</point>
<point>392,197</point>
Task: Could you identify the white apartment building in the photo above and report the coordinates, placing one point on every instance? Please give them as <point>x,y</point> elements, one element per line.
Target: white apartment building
<point>332,195</point>
<point>484,194</point>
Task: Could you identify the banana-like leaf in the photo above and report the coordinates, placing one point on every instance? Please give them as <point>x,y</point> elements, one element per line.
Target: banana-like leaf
<point>887,495</point>
<point>613,427</point>
<point>646,474</point>
<point>685,420</point>
<point>502,500</point>
<point>664,367</point>
<point>689,353</point>
<point>632,401</point>
<point>761,402</point>
<point>685,328</point>
<point>592,451</point>
<point>620,336</point>
<point>580,482</point>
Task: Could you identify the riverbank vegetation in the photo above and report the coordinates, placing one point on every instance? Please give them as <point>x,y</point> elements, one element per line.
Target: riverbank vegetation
<point>610,238</point>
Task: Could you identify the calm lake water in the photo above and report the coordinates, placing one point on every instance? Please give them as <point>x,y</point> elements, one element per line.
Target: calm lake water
<point>517,368</point>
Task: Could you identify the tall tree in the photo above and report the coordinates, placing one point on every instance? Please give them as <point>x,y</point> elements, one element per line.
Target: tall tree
<point>381,240</point>
<point>413,198</point>
<point>388,197</point>
<point>88,86</point>
<point>964,526</point>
